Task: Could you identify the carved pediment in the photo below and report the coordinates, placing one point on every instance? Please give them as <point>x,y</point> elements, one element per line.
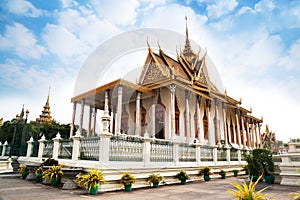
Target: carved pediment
<point>156,72</point>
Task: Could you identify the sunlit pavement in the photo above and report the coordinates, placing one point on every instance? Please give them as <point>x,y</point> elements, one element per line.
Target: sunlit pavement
<point>15,188</point>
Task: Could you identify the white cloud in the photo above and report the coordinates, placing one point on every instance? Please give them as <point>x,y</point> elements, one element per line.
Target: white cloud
<point>220,8</point>
<point>117,12</point>
<point>264,6</point>
<point>62,42</point>
<point>22,7</point>
<point>292,60</point>
<point>22,41</point>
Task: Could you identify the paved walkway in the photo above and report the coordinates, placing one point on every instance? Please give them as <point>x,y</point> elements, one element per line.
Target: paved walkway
<point>14,188</point>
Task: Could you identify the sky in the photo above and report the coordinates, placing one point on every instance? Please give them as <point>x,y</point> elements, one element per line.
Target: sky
<point>254,45</point>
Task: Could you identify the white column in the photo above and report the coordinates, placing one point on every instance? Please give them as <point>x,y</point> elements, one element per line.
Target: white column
<point>29,147</point>
<point>200,132</point>
<point>153,117</point>
<point>95,121</point>
<point>248,133</point>
<point>217,134</point>
<point>254,134</point>
<point>112,119</point>
<point>119,110</point>
<point>56,146</point>
<point>259,135</point>
<point>41,147</point>
<point>225,125</point>
<point>73,119</point>
<point>90,121</point>
<point>172,87</point>
<point>229,130</point>
<point>4,148</point>
<point>187,115</point>
<point>81,116</point>
<point>243,131</point>
<point>76,146</point>
<point>138,114</point>
<point>238,127</point>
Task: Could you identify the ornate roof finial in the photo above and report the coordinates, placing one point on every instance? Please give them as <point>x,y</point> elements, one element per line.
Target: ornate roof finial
<point>186,29</point>
<point>148,43</point>
<point>158,43</point>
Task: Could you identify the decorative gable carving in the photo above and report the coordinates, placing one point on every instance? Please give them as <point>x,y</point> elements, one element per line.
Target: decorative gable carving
<point>156,72</point>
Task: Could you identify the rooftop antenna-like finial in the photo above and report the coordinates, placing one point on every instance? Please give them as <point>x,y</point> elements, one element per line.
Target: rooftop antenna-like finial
<point>148,43</point>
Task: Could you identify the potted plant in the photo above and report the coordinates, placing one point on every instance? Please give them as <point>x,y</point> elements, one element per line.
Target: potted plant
<point>127,180</point>
<point>39,174</point>
<point>205,172</point>
<point>223,174</point>
<point>182,176</point>
<point>91,181</point>
<point>236,172</point>
<point>246,191</point>
<point>54,173</point>
<point>155,179</point>
<point>23,170</point>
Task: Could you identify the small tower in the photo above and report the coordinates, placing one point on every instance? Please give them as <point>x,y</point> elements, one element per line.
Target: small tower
<point>45,117</point>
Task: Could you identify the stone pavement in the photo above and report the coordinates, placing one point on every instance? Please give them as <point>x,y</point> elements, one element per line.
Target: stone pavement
<point>15,188</point>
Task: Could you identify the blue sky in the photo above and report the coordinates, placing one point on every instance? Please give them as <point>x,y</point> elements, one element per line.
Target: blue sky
<point>255,46</point>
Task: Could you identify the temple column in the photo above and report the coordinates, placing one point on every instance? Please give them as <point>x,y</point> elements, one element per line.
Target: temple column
<point>217,129</point>
<point>111,126</point>
<point>229,130</point>
<point>153,117</point>
<point>210,136</point>
<point>200,134</point>
<point>238,129</point>
<point>90,121</point>
<point>243,131</point>
<point>81,116</point>
<point>234,131</point>
<point>95,121</point>
<point>254,134</point>
<point>248,133</point>
<point>73,119</point>
<point>138,114</point>
<point>187,115</point>
<point>258,127</point>
<point>225,125</point>
<point>119,110</point>
<point>172,88</point>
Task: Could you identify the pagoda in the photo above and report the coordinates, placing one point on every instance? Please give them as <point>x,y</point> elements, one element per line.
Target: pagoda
<point>45,117</point>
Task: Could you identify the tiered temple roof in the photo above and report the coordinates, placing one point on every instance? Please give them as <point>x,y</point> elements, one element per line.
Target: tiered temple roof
<point>45,117</point>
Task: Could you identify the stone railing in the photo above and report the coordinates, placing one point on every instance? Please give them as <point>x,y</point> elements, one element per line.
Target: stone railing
<point>110,150</point>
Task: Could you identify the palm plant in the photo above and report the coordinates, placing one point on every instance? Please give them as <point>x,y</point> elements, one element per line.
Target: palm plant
<point>154,179</point>
<point>91,180</point>
<point>182,176</point>
<point>247,192</point>
<point>54,173</point>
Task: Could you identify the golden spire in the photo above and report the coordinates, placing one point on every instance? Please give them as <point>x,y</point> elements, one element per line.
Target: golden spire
<point>46,113</point>
<point>187,51</point>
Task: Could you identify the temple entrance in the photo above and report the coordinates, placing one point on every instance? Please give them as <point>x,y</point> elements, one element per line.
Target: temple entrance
<point>205,125</point>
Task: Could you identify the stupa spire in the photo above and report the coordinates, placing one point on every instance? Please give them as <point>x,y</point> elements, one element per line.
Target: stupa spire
<point>46,113</point>
<point>187,51</point>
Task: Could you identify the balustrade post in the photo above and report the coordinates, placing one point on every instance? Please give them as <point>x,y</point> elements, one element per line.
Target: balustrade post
<point>4,148</point>
<point>228,154</point>
<point>29,147</point>
<point>198,153</point>
<point>41,147</point>
<point>9,166</point>
<point>176,152</point>
<point>56,146</point>
<point>215,154</point>
<point>146,150</point>
<point>239,156</point>
<point>104,147</point>
<point>76,146</point>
